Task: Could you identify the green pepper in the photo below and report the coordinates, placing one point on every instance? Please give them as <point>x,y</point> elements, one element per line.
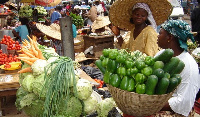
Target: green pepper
<point>99,65</point>
<point>115,80</point>
<point>106,52</point>
<point>149,60</point>
<point>140,64</point>
<point>131,84</point>
<point>102,57</point>
<point>140,88</point>
<point>112,66</point>
<point>139,78</point>
<point>124,83</point>
<point>134,70</point>
<point>120,58</point>
<point>121,71</point>
<point>129,64</point>
<point>105,62</point>
<point>113,54</point>
<point>106,77</point>
<point>147,71</point>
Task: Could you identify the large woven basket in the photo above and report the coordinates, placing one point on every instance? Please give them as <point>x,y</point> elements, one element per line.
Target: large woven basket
<point>138,105</point>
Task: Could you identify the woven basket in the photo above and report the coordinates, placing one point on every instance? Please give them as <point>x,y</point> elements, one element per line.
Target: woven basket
<point>138,105</point>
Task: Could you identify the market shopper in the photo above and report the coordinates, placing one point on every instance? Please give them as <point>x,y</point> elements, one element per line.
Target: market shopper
<point>141,20</point>
<point>56,14</point>
<point>23,30</point>
<point>195,18</point>
<point>174,35</point>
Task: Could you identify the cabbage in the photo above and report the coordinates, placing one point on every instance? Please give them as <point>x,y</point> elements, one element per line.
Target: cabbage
<point>35,109</point>
<point>105,106</point>
<point>73,107</point>
<point>21,92</point>
<point>38,86</point>
<point>84,89</point>
<point>38,67</point>
<point>27,100</point>
<point>90,104</point>
<point>26,83</point>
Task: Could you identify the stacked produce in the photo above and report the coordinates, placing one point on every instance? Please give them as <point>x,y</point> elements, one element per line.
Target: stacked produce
<point>77,20</point>
<point>8,56</point>
<point>146,75</point>
<point>25,11</point>
<point>41,10</point>
<point>50,85</point>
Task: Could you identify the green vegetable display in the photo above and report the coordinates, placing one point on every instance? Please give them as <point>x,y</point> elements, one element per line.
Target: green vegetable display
<point>136,72</point>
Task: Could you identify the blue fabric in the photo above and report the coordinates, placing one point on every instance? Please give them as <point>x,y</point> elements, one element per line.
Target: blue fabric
<point>55,16</point>
<point>74,31</point>
<point>181,30</point>
<point>23,32</point>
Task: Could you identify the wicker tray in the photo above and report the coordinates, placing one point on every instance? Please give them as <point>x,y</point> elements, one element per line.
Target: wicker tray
<point>138,105</point>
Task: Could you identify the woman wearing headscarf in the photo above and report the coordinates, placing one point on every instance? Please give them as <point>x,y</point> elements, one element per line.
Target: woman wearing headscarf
<point>141,19</point>
<point>174,35</point>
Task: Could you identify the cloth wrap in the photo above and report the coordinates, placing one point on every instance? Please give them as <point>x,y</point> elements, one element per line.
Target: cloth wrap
<point>181,30</point>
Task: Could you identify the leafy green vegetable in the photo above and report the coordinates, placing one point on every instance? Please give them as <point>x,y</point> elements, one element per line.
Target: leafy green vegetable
<point>90,105</point>
<point>26,83</point>
<point>84,89</point>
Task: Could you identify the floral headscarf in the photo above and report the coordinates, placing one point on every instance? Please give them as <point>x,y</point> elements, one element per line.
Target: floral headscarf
<point>181,30</point>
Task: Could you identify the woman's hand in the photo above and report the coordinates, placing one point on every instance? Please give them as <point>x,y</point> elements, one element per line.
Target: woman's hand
<point>115,30</point>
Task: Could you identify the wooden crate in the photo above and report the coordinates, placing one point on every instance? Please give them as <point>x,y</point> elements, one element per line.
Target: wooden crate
<point>99,43</point>
<point>14,83</point>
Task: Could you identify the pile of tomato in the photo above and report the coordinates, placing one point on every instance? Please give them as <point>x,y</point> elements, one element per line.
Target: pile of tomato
<point>5,59</point>
<point>11,44</point>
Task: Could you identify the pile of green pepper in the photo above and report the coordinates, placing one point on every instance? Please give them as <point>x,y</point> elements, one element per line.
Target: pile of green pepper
<point>124,70</point>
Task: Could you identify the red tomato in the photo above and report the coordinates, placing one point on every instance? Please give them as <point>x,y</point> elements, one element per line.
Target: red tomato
<point>4,36</point>
<point>17,42</point>
<point>3,39</point>
<point>8,48</point>
<point>13,48</point>
<point>8,37</point>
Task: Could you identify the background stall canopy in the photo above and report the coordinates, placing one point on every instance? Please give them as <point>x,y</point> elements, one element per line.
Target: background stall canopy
<point>3,1</point>
<point>48,2</point>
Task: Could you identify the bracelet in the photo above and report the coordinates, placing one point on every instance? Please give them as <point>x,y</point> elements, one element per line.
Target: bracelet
<point>118,36</point>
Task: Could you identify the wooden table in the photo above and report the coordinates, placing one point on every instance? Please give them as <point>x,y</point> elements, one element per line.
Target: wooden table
<point>8,88</point>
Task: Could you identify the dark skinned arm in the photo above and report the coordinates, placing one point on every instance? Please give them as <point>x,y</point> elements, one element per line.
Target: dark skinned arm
<point>116,31</point>
<point>16,34</point>
<point>166,107</point>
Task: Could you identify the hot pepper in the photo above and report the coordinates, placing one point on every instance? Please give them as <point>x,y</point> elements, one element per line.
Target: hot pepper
<point>115,80</point>
<point>112,66</point>
<point>139,78</point>
<point>121,71</point>
<point>99,65</point>
<point>106,77</point>
<point>140,88</point>
<point>124,83</point>
<point>105,62</point>
<point>129,64</point>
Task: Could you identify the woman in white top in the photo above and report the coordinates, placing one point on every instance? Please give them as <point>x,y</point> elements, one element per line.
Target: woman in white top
<point>174,35</point>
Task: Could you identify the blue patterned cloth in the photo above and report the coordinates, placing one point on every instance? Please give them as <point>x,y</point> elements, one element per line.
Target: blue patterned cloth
<point>181,30</point>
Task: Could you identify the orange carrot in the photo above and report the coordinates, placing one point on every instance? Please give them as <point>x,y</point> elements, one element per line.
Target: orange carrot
<point>28,50</point>
<point>24,43</point>
<point>34,38</point>
<point>23,55</point>
<point>28,62</point>
<point>34,51</point>
<point>28,59</point>
<point>40,56</point>
<point>28,54</point>
<point>31,40</point>
<point>28,69</point>
<point>35,45</point>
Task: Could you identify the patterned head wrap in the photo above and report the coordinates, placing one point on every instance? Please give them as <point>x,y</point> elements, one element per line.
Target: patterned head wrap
<point>150,16</point>
<point>181,30</point>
